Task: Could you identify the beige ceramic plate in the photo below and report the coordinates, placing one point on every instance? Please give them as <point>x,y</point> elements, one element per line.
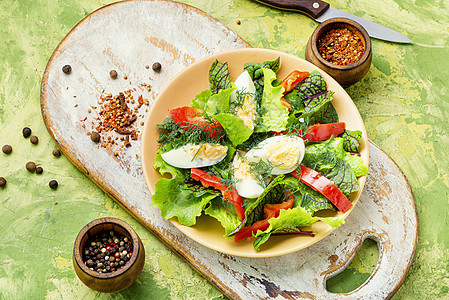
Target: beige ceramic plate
<point>182,89</point>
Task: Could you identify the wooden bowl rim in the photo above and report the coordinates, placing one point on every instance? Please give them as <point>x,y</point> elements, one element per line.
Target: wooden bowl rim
<point>346,22</point>
<point>97,222</point>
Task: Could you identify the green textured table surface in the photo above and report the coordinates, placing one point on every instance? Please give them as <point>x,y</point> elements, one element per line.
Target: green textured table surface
<point>403,101</point>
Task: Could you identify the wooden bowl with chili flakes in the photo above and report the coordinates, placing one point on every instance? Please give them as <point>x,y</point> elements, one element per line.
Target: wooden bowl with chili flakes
<point>342,48</point>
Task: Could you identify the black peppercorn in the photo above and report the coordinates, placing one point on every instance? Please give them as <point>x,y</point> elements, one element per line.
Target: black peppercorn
<point>2,181</point>
<point>26,132</point>
<point>157,67</point>
<point>67,69</point>
<point>53,184</point>
<point>31,166</point>
<point>56,152</point>
<point>34,140</point>
<point>7,149</point>
<point>39,170</point>
<point>113,74</point>
<point>95,137</point>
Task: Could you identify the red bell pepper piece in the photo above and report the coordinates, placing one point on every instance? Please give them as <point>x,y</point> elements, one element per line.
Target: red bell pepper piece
<point>318,132</point>
<point>229,192</point>
<point>322,132</point>
<point>324,186</point>
<point>270,211</point>
<point>189,117</point>
<point>292,79</point>
<point>289,83</point>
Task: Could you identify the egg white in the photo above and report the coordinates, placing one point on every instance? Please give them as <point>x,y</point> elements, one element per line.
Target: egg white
<point>189,156</point>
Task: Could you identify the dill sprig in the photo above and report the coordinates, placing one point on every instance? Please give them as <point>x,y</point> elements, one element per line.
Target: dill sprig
<point>178,136</point>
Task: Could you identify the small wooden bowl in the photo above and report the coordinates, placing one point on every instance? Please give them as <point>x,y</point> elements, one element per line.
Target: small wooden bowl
<point>345,75</point>
<point>108,282</point>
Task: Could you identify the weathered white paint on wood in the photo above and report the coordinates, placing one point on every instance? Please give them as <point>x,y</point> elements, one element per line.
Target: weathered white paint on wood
<point>126,36</point>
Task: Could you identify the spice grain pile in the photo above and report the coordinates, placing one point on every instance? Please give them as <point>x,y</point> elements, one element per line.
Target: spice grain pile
<point>107,252</point>
<point>340,46</point>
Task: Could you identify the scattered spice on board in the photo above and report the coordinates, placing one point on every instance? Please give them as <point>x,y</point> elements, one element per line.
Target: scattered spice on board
<point>108,251</point>
<point>340,46</point>
<point>2,181</point>
<point>116,115</point>
<point>157,67</point>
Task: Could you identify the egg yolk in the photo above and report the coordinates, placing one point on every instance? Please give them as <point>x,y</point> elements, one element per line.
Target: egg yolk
<point>242,170</point>
<point>284,154</point>
<point>208,151</point>
<point>247,112</point>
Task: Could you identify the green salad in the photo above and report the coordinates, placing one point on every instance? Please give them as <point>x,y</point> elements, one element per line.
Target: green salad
<point>261,154</point>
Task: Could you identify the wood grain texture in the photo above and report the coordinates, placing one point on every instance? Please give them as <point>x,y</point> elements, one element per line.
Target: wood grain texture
<point>177,35</point>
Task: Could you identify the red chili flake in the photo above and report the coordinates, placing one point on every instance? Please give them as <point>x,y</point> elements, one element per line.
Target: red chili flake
<point>340,46</point>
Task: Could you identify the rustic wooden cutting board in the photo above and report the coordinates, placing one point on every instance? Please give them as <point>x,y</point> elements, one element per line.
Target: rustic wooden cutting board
<point>127,36</point>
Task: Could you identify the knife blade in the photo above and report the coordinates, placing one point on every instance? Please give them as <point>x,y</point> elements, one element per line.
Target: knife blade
<point>321,11</point>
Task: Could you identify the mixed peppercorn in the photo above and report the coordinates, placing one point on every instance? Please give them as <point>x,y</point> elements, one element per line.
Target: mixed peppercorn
<point>30,166</point>
<point>107,252</point>
<point>340,46</point>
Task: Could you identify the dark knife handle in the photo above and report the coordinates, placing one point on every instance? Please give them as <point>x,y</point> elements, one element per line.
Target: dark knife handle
<point>313,8</point>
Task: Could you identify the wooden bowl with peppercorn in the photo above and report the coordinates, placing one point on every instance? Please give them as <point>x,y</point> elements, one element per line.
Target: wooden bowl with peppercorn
<point>342,48</point>
<point>108,255</point>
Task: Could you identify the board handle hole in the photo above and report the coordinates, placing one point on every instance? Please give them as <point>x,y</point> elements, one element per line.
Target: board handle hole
<point>358,271</point>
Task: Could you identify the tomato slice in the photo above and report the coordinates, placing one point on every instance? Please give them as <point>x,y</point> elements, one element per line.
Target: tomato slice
<point>270,211</point>
<point>319,132</point>
<point>292,79</point>
<point>190,117</point>
<point>322,132</point>
<point>324,186</point>
<point>229,192</point>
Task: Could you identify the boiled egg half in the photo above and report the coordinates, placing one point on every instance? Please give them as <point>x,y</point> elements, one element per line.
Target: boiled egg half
<point>283,153</point>
<point>195,156</point>
<point>247,184</point>
<point>246,110</point>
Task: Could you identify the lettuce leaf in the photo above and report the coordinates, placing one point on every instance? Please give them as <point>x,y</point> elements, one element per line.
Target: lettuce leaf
<point>201,99</point>
<point>228,220</point>
<point>291,219</point>
<point>273,194</point>
<point>255,70</point>
<point>357,164</point>
<point>166,169</point>
<point>327,158</point>
<point>219,77</point>
<point>305,196</point>
<point>235,129</point>
<point>175,199</point>
<point>274,116</point>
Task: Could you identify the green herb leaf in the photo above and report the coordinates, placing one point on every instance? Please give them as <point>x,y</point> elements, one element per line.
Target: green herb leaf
<point>219,77</point>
